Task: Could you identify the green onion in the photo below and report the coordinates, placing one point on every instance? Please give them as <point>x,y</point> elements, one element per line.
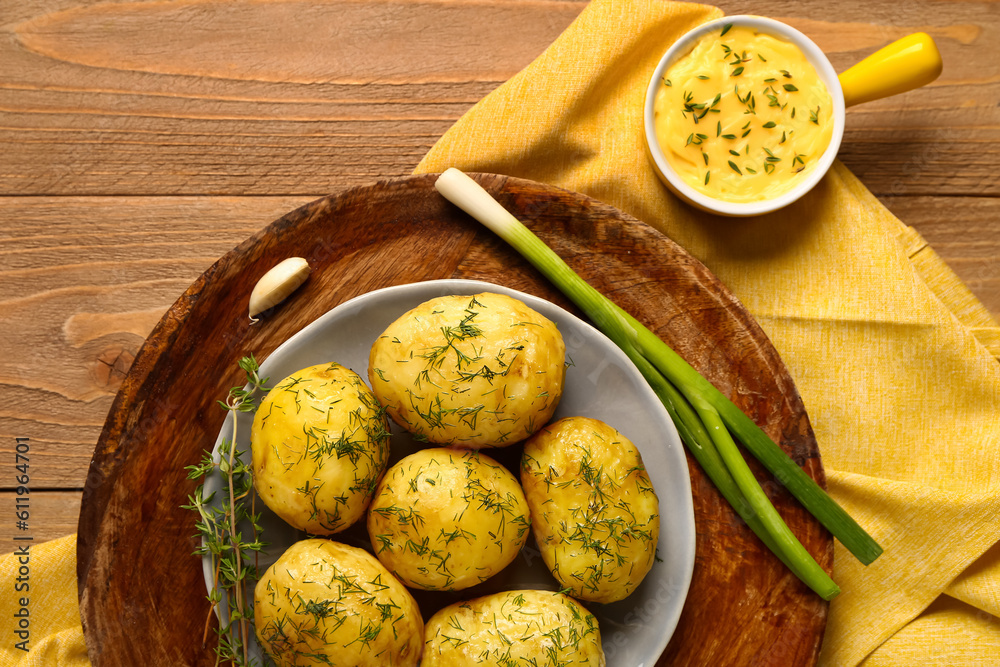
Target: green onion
<point>705,418</point>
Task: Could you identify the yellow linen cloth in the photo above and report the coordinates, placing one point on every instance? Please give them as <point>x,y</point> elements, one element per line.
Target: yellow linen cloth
<point>42,582</point>
<point>880,338</point>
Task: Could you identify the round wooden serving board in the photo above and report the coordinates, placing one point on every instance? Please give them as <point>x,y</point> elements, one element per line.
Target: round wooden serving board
<point>142,595</point>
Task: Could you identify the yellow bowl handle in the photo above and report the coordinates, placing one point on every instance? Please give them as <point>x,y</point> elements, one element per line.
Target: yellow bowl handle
<point>907,63</point>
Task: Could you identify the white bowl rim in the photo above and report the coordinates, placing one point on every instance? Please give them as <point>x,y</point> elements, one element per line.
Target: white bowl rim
<point>816,58</point>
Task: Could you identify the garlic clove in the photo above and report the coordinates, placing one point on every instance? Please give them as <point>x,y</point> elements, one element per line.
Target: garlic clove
<point>275,285</point>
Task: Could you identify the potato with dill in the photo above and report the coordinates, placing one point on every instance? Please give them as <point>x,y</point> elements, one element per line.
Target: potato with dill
<point>445,519</point>
<point>326,603</point>
<point>474,371</point>
<point>594,512</point>
<point>320,443</point>
<point>529,627</point>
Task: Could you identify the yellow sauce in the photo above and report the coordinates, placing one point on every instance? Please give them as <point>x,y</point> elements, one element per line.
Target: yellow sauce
<point>743,117</point>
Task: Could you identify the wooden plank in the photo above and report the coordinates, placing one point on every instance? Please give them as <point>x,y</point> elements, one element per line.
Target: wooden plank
<point>85,280</point>
<point>283,95</point>
<point>286,99</point>
<point>52,514</point>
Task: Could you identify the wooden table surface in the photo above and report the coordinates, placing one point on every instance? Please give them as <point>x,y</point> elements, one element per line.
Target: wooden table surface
<point>142,140</point>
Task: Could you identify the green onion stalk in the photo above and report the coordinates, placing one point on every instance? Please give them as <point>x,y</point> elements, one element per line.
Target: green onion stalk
<point>705,418</point>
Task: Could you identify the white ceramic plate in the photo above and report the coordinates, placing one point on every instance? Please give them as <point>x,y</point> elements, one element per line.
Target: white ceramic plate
<point>600,382</point>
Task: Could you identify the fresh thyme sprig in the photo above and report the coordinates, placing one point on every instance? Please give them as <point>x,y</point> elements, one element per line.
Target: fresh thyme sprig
<point>219,532</point>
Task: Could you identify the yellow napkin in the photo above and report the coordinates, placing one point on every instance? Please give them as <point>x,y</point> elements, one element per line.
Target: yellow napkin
<point>39,600</point>
<point>879,336</point>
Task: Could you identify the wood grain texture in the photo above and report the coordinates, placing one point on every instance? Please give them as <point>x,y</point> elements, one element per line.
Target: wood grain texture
<point>133,576</point>
<point>289,97</point>
<point>303,96</point>
<point>84,282</point>
<point>53,514</point>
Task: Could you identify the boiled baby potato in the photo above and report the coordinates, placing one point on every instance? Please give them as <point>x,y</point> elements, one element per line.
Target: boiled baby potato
<point>445,519</point>
<point>326,603</point>
<point>594,512</point>
<point>320,444</point>
<point>475,371</point>
<point>513,628</point>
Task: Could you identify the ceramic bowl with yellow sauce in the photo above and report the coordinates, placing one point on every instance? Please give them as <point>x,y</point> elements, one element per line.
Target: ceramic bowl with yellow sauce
<point>744,114</point>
